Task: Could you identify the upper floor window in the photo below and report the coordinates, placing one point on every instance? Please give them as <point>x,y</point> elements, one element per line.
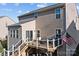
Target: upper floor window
<point>58,13</point>
<point>35,15</point>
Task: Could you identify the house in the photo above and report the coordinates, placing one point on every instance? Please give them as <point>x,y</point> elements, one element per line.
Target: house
<point>4,22</point>
<point>43,24</point>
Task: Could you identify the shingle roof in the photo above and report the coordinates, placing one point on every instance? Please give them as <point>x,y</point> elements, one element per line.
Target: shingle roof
<point>45,8</point>
<point>2,16</point>
<point>17,24</point>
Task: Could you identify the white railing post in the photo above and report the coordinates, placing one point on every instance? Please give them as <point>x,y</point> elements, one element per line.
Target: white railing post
<point>37,45</point>
<point>47,54</point>
<point>19,50</point>
<point>4,51</point>
<point>37,42</point>
<point>58,41</point>
<point>47,43</point>
<point>53,43</point>
<point>13,50</point>
<point>8,52</point>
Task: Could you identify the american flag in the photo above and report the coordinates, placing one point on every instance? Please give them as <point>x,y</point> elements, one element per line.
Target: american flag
<point>68,39</point>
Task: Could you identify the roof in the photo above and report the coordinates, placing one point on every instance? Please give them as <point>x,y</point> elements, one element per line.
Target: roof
<point>2,16</point>
<point>17,24</point>
<point>45,8</point>
<point>7,17</point>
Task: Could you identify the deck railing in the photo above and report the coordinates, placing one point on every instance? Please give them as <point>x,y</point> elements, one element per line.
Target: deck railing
<point>43,43</point>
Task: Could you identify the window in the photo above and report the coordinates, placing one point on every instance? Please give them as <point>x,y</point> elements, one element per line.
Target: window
<point>29,35</point>
<point>58,33</point>
<point>13,33</point>
<point>58,40</point>
<point>35,15</point>
<point>56,43</point>
<point>16,33</point>
<point>38,33</point>
<point>57,12</point>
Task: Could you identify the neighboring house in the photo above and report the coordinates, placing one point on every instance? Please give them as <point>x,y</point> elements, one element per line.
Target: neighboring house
<point>4,22</point>
<point>44,23</point>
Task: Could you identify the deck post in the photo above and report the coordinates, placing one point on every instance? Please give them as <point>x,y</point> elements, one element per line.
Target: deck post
<point>4,51</point>
<point>13,50</point>
<point>47,54</point>
<point>47,43</point>
<point>8,52</point>
<point>37,42</point>
<point>50,53</point>
<point>58,41</point>
<point>27,53</point>
<point>19,50</point>
<point>53,43</point>
<point>37,45</point>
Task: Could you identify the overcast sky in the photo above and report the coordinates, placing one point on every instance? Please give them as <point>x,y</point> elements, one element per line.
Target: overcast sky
<point>13,10</point>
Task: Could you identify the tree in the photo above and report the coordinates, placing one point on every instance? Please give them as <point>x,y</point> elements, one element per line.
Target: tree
<point>1,47</point>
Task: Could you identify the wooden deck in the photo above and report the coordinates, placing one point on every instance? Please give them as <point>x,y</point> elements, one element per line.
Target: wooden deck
<point>42,44</point>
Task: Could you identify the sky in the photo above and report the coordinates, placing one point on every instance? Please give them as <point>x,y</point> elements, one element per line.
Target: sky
<point>13,10</point>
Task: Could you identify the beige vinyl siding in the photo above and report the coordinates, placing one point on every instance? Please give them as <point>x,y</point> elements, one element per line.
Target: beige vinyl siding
<point>4,22</point>
<point>47,24</point>
<point>28,26</point>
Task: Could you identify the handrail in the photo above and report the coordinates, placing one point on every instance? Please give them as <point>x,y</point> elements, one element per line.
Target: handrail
<point>18,44</point>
